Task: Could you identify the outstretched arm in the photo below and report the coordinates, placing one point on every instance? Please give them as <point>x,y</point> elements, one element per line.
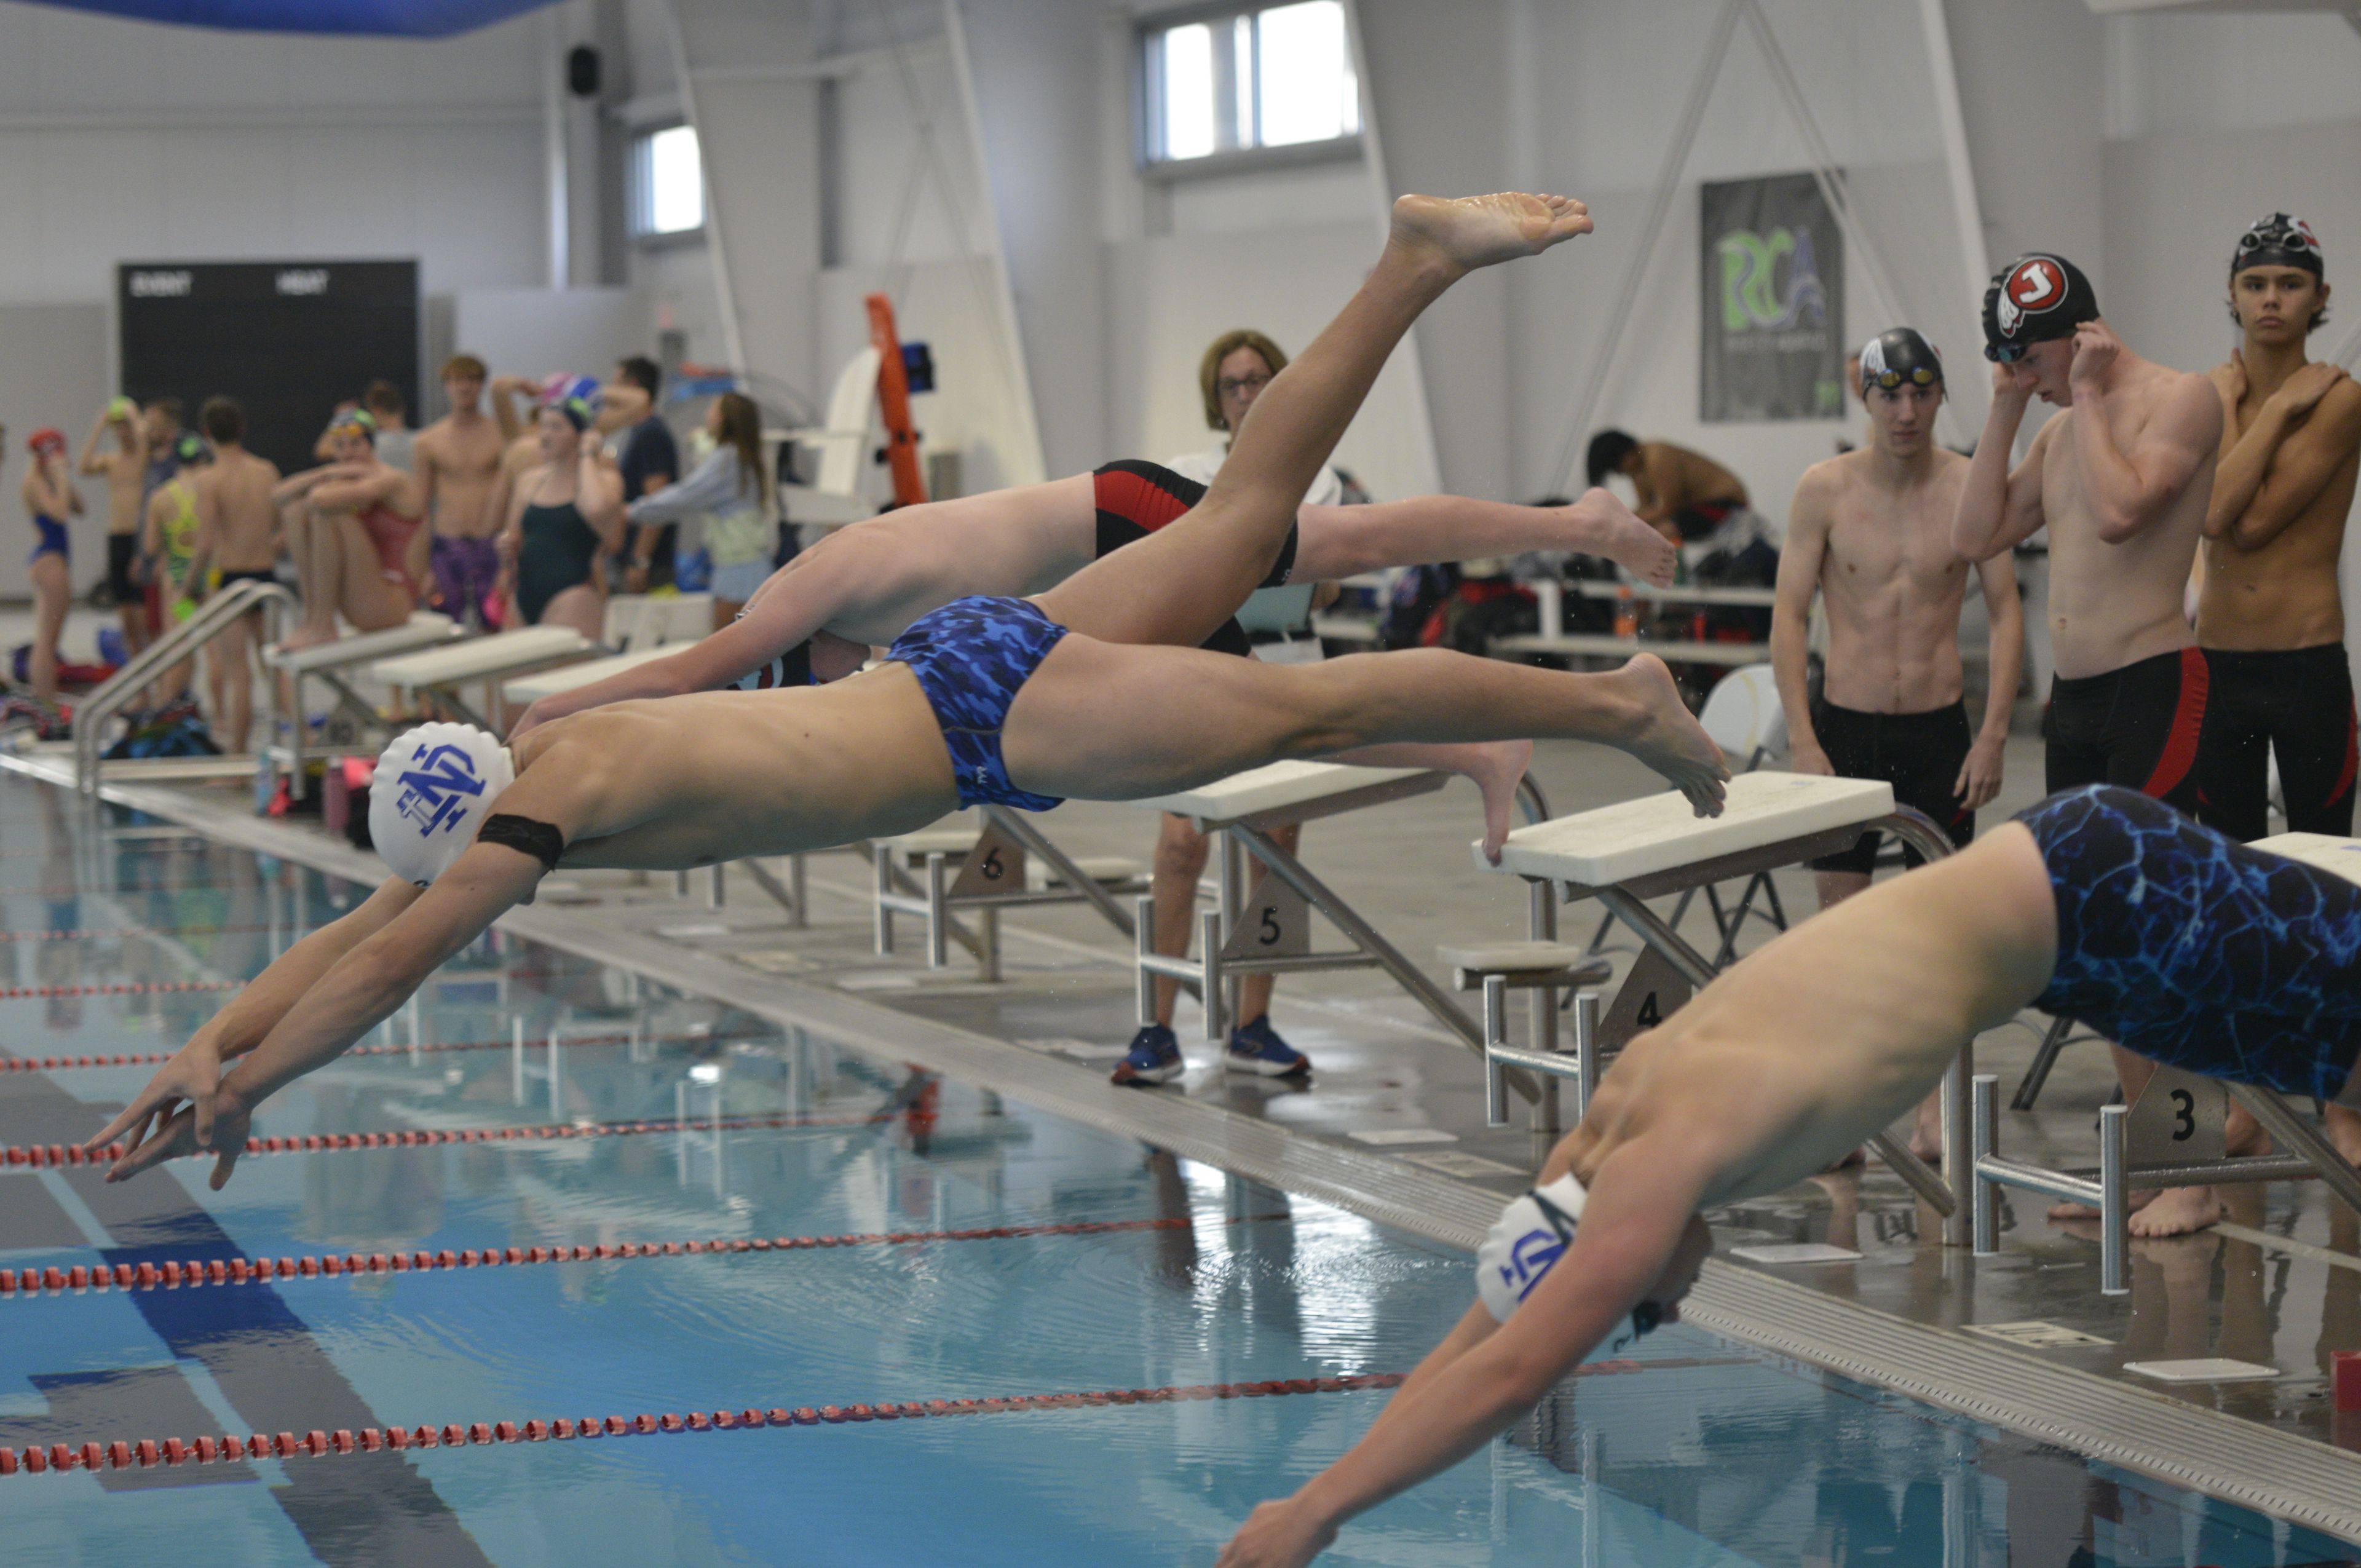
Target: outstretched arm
<point>1339,541</point>
<point>1999,509</point>
<point>1638,1206</point>
<point>196,1069</point>
<point>358,989</point>
<point>337,492</point>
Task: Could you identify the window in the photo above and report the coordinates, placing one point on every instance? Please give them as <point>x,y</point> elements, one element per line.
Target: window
<point>1277,77</point>
<point>667,184</point>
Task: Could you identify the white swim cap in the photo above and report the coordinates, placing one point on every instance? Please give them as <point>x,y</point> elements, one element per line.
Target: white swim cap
<point>432,788</point>
<point>1525,1242</point>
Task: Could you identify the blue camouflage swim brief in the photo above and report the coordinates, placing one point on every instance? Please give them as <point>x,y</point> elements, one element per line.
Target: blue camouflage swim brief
<point>971,657</point>
<point>2188,947</point>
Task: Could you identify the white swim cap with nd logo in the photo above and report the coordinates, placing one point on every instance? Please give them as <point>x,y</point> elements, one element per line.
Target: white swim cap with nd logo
<point>432,788</point>
<point>1525,1242</point>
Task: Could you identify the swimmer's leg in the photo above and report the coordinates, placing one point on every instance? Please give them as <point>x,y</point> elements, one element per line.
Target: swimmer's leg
<point>52,597</point>
<point>1340,542</point>
<point>1179,584</point>
<point>1103,721</point>
<point>350,569</point>
<point>1493,766</point>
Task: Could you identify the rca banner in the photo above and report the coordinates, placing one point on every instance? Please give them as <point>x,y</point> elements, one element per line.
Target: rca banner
<point>1771,345</point>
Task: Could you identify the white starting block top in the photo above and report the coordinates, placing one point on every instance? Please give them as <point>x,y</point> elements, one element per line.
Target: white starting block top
<point>422,629</point>
<point>1660,832</point>
<point>530,688</point>
<point>2329,853</point>
<point>481,658</point>
<point>1274,787</point>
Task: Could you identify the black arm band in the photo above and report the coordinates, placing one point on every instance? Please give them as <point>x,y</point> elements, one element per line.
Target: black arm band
<point>522,834</point>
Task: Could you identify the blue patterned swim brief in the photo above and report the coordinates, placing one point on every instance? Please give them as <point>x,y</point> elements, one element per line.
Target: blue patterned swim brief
<point>2188,947</point>
<point>971,657</point>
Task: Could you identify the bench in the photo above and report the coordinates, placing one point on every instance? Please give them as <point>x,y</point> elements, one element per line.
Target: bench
<point>335,665</point>
<point>2173,1135</point>
<point>1655,846</point>
<point>440,671</point>
<point>1002,862</point>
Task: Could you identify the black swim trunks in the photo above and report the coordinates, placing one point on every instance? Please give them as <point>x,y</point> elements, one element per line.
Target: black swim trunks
<point>2298,704</point>
<point>1920,754</point>
<point>122,550</point>
<point>2136,727</point>
<point>1136,499</point>
<point>2177,943</point>
<point>264,575</point>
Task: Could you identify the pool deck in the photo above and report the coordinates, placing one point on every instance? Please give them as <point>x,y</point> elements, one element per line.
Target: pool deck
<point>2279,1284</point>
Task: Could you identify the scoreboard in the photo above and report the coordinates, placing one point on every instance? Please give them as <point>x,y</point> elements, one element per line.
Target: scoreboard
<point>289,340</point>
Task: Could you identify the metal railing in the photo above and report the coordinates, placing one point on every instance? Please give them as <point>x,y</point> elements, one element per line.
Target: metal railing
<point>213,617</point>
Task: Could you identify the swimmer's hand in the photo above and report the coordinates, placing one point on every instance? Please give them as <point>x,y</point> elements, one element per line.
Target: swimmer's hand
<point>180,1111</point>
<point>2301,392</point>
<point>2095,349</point>
<point>1277,1535</point>
<point>1980,775</point>
<point>1805,759</point>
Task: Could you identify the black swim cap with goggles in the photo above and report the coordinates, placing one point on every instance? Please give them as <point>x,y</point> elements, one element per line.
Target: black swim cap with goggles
<point>2279,240</point>
<point>2038,298</point>
<point>1899,358</point>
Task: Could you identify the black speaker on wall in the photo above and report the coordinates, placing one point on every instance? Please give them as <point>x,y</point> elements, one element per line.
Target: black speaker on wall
<point>289,340</point>
<point>582,71</point>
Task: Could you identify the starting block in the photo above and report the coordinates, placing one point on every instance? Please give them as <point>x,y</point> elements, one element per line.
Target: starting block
<point>335,665</point>
<point>992,859</point>
<point>1627,853</point>
<point>442,671</point>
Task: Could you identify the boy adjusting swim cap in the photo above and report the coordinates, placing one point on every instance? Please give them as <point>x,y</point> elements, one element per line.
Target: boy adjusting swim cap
<point>432,788</point>
<point>1525,1242</point>
<point>2038,298</point>
<point>2279,240</point>
<point>1899,356</point>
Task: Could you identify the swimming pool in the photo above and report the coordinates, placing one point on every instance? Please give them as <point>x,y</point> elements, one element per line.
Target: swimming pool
<point>1226,1336</point>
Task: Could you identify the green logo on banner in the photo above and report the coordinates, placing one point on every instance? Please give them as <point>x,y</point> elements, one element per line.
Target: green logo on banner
<point>1750,281</point>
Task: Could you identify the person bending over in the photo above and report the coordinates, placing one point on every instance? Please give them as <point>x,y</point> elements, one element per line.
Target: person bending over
<point>2099,903</point>
<point>237,531</point>
<point>50,499</point>
<point>2121,482</point>
<point>565,520</point>
<point>1870,532</point>
<point>1094,689</point>
<point>360,544</point>
<point>1684,495</point>
<point>126,469</point>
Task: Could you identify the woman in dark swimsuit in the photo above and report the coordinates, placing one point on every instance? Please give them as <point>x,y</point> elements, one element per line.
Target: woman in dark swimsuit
<point>567,516</point>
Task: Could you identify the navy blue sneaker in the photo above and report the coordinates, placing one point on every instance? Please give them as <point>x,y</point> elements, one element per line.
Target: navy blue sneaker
<point>1155,1058</point>
<point>1257,1048</point>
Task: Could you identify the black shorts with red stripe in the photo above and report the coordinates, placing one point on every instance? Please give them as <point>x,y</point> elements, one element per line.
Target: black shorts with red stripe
<point>2136,727</point>
<point>1135,499</point>
<point>2296,703</point>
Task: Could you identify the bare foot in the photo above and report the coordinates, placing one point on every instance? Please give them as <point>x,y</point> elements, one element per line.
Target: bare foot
<point>1479,231</point>
<point>2138,1201</point>
<point>1668,739</point>
<point>2176,1211</point>
<point>2243,1135</point>
<point>1496,767</point>
<point>1926,1132</point>
<point>1626,541</point>
<point>306,637</point>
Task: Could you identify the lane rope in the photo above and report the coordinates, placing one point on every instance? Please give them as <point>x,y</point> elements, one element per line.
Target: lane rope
<point>30,1283</point>
<point>430,1047</point>
<point>34,1460</point>
<point>61,1457</point>
<point>36,1156</point>
<point>118,988</point>
<point>95,933</point>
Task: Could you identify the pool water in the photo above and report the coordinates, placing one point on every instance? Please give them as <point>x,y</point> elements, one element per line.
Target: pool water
<point>1132,1270</point>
